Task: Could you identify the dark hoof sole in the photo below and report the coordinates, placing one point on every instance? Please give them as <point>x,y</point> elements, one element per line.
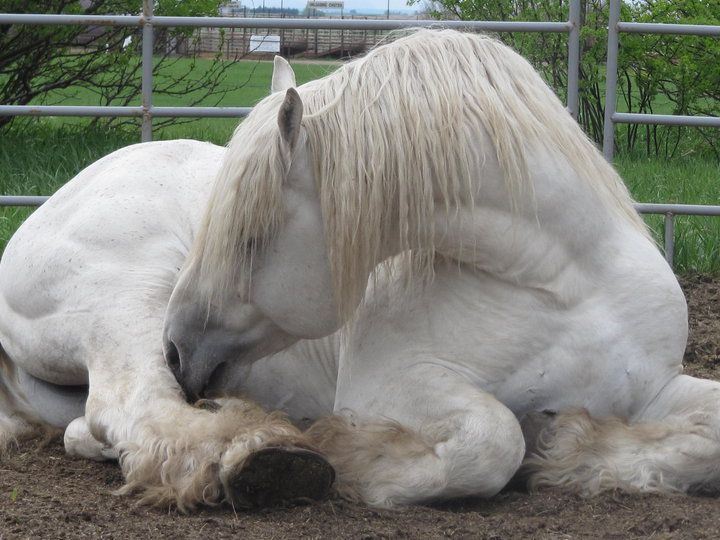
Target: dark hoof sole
<point>282,476</point>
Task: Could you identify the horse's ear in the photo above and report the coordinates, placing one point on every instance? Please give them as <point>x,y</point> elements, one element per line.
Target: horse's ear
<point>283,75</point>
<point>290,117</point>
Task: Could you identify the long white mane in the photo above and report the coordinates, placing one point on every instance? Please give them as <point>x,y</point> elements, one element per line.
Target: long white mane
<point>387,134</point>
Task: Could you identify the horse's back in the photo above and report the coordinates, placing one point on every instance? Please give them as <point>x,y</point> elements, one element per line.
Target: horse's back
<point>108,242</point>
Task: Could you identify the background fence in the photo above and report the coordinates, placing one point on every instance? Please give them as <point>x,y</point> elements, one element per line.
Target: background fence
<point>147,22</point>
<point>612,117</point>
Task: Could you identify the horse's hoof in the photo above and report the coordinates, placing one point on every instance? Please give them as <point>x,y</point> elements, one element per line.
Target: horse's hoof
<point>281,476</point>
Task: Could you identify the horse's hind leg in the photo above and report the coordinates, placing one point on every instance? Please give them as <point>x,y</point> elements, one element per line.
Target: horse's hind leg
<point>18,421</point>
<point>673,446</point>
<point>55,404</point>
<point>418,435</point>
<point>64,407</point>
<point>79,442</point>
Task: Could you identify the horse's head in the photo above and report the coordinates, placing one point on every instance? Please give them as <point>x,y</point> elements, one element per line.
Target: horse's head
<point>258,277</point>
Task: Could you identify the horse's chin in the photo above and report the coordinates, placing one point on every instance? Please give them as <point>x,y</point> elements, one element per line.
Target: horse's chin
<point>227,376</point>
<point>217,383</point>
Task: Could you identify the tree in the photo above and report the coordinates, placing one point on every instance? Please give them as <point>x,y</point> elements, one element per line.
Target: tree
<point>36,61</point>
<point>671,74</point>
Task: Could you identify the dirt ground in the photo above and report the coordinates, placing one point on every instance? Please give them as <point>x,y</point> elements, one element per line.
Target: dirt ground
<point>43,494</point>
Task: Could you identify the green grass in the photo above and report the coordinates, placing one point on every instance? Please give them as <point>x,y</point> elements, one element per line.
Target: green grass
<point>39,155</point>
<point>680,180</point>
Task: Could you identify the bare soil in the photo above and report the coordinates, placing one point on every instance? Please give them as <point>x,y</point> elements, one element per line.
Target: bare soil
<point>44,494</point>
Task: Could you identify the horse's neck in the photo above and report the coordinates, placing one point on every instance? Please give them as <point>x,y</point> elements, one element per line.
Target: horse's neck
<point>552,234</point>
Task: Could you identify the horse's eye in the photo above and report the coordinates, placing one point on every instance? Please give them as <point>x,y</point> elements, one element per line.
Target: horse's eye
<point>251,244</point>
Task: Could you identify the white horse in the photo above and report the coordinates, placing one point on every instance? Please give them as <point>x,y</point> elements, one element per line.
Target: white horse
<point>510,275</point>
<point>511,281</point>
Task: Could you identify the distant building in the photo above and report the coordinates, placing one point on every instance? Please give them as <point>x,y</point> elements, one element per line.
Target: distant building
<point>233,9</point>
<point>265,42</point>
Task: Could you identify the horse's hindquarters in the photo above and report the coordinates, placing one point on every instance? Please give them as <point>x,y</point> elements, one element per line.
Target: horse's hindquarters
<point>89,271</point>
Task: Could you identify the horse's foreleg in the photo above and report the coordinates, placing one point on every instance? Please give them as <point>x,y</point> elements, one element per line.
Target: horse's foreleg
<point>673,446</point>
<point>421,435</point>
<point>174,453</point>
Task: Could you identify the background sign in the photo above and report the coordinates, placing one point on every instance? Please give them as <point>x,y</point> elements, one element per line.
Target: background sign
<point>270,44</point>
<point>337,4</point>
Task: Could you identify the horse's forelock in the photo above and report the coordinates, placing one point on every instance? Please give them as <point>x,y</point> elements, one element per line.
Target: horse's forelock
<point>245,207</point>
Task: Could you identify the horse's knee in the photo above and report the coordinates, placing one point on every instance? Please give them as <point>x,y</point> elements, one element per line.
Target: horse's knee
<point>482,453</point>
<point>384,463</point>
<point>479,454</point>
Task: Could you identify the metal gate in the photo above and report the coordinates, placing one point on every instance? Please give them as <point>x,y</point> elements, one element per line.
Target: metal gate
<point>612,117</point>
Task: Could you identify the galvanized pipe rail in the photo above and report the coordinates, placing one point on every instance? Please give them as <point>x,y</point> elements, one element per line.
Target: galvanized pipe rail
<point>22,200</point>
<point>667,210</point>
<point>670,211</point>
<point>125,111</point>
<point>286,23</point>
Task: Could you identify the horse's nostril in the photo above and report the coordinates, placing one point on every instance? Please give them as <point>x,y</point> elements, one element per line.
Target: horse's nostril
<point>172,357</point>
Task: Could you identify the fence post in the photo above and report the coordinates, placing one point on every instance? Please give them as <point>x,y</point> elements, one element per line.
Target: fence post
<point>611,80</point>
<point>147,70</point>
<point>669,239</point>
<point>573,59</point>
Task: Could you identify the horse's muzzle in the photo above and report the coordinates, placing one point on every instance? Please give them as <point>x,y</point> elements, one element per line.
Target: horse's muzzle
<point>191,371</point>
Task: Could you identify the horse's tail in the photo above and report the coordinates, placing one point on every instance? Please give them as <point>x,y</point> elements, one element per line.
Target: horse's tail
<point>18,421</point>
<point>589,455</point>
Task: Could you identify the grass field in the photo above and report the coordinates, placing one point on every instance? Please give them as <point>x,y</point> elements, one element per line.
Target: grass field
<point>39,155</point>
<point>245,83</point>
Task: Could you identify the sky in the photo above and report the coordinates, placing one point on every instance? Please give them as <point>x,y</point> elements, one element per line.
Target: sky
<point>395,5</point>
